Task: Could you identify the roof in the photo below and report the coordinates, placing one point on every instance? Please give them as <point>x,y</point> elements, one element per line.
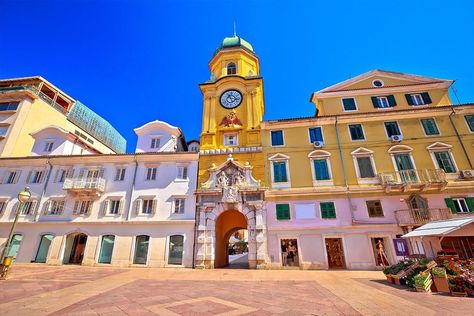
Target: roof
<point>440,228</point>
<point>235,41</point>
<point>157,126</point>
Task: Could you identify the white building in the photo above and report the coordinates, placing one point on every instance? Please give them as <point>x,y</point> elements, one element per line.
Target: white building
<point>117,209</point>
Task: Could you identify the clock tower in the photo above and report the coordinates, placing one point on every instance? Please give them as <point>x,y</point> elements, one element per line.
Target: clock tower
<point>233,109</point>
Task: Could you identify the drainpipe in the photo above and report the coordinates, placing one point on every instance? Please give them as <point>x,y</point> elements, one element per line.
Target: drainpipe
<point>37,214</point>
<point>129,202</point>
<point>195,218</point>
<point>459,137</point>
<point>346,183</point>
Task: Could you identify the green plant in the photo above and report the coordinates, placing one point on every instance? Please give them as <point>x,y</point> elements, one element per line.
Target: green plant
<point>438,272</point>
<point>421,278</point>
<point>424,261</point>
<point>411,277</point>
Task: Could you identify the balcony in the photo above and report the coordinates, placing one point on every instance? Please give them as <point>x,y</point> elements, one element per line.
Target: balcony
<point>85,186</point>
<point>41,95</point>
<point>418,217</point>
<point>405,180</point>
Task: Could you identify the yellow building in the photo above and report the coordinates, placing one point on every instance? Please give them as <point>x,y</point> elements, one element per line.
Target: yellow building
<point>29,105</point>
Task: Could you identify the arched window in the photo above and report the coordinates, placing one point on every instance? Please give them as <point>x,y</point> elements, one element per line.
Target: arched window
<point>141,249</point>
<point>175,255</point>
<point>106,249</point>
<point>231,68</point>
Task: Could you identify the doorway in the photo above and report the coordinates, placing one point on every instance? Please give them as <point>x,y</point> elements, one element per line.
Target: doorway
<point>238,251</point>
<point>43,248</point>
<point>380,251</point>
<point>289,253</point>
<point>335,253</point>
<point>228,224</point>
<point>75,247</point>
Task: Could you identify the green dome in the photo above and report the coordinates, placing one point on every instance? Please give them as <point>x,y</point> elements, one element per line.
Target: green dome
<point>236,41</point>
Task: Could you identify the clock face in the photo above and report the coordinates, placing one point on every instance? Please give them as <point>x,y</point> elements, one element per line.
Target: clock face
<point>231,99</point>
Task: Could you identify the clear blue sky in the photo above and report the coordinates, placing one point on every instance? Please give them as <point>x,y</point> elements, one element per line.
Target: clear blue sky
<point>137,61</point>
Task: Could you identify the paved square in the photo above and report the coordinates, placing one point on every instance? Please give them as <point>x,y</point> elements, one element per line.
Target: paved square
<point>75,290</point>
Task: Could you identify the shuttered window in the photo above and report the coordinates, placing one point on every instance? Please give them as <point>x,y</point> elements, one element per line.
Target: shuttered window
<point>321,169</point>
<point>418,98</point>
<point>385,101</point>
<point>277,138</point>
<point>460,205</point>
<point>279,171</point>
<point>328,210</point>
<point>429,126</point>
<point>283,211</point>
<point>315,134</point>
<point>365,167</point>
<point>443,158</point>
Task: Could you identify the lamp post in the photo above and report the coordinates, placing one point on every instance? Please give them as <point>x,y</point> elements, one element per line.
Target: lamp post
<point>23,196</point>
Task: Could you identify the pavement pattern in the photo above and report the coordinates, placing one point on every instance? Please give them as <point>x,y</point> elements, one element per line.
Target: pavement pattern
<point>35,289</point>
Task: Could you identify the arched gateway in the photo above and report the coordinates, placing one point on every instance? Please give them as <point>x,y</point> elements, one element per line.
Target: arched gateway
<point>229,200</point>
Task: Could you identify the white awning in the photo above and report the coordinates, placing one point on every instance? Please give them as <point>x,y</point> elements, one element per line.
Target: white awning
<point>440,228</point>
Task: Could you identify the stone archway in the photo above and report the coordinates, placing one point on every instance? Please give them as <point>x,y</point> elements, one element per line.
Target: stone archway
<point>231,189</point>
<point>227,223</point>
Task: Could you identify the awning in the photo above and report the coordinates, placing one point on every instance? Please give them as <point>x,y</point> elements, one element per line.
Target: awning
<point>440,228</point>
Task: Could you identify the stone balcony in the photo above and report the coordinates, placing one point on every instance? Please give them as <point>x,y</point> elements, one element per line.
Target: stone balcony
<point>418,217</point>
<point>85,186</point>
<point>405,180</point>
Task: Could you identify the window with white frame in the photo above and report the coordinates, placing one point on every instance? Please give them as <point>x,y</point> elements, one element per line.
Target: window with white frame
<point>12,177</point>
<point>315,134</point>
<point>62,174</point>
<point>155,143</point>
<point>151,173</point>
<point>54,207</point>
<point>48,146</point>
<point>460,205</point>
<point>356,132</point>
<point>83,207</point>
<point>392,128</point>
<point>470,121</point>
<point>364,165</point>
<point>179,206</point>
<point>429,126</point>
<point>442,156</point>
<point>418,98</point>
<point>321,167</point>
<point>279,170</point>
<point>231,68</point>
<point>3,206</point>
<point>35,176</point>
<point>277,138</point>
<point>383,102</point>
<point>120,174</point>
<point>28,207</point>
<point>374,208</point>
<point>182,173</point>
<point>349,104</point>
<point>148,206</point>
<point>231,140</point>
<point>114,206</point>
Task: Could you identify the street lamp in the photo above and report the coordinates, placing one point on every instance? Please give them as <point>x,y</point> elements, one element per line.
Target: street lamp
<point>23,196</point>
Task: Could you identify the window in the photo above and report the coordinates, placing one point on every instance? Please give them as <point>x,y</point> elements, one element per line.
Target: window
<point>120,174</point>
<point>63,174</point>
<point>151,173</point>
<point>12,177</point>
<point>365,167</point>
<point>9,106</point>
<point>175,255</point>
<point>328,210</point>
<point>141,249</point>
<point>277,138</point>
<point>3,131</point>
<point>283,212</point>
<point>429,126</point>
<point>155,143</point>
<point>315,134</point>
<point>377,83</point>
<point>182,173</point>
<point>321,170</point>
<point>48,147</point>
<point>83,207</point>
<point>392,129</point>
<point>443,158</point>
<point>114,207</point>
<point>179,206</point>
<point>374,208</point>
<point>460,205</point>
<point>231,140</point>
<point>28,208</point>
<point>349,104</point>
<point>356,131</point>
<point>231,68</point>
<point>470,122</point>
<point>418,98</point>
<point>148,206</point>
<point>3,206</point>
<point>35,176</point>
<point>106,249</point>
<point>279,171</point>
<point>382,102</point>
<point>55,207</point>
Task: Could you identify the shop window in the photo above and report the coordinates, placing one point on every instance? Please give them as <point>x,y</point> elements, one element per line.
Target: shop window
<point>141,249</point>
<point>106,249</point>
<point>176,247</point>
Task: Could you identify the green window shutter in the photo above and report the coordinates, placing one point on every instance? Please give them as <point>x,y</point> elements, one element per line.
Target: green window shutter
<point>426,98</point>
<point>374,102</point>
<point>450,204</point>
<point>409,99</point>
<point>327,210</point>
<point>283,211</point>
<point>470,203</point>
<point>391,100</point>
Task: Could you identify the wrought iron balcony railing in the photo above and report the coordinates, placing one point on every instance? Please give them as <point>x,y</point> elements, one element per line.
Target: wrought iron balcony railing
<point>414,176</point>
<point>418,216</point>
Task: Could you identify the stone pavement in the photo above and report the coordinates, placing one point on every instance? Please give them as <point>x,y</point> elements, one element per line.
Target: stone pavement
<point>35,289</point>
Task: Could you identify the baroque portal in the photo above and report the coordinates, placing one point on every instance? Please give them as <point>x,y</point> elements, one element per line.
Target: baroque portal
<point>230,190</point>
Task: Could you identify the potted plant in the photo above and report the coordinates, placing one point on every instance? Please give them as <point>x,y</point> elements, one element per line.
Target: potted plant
<point>423,282</point>
<point>440,279</point>
<point>387,271</point>
<point>457,286</point>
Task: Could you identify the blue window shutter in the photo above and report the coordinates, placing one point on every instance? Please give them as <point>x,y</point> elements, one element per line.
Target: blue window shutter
<point>321,169</point>
<point>426,98</point>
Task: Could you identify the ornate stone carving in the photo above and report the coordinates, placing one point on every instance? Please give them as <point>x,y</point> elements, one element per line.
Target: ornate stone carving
<point>231,120</point>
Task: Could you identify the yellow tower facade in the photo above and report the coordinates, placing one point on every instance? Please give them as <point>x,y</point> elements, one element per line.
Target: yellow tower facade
<point>233,109</point>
